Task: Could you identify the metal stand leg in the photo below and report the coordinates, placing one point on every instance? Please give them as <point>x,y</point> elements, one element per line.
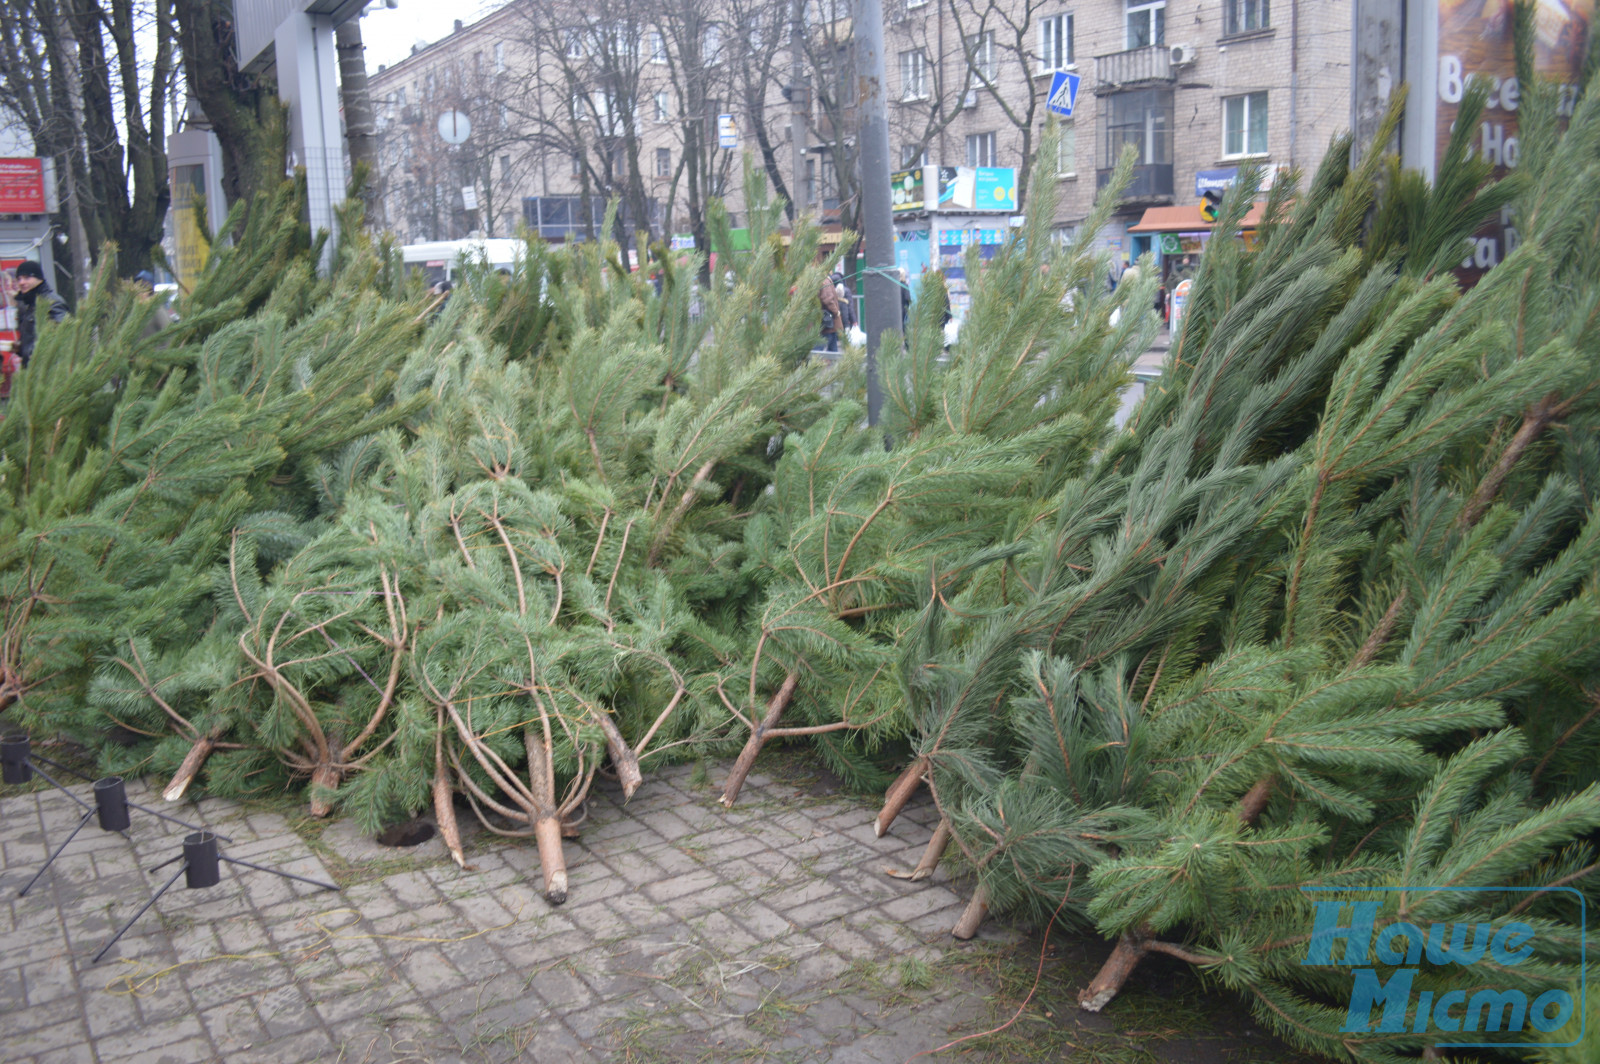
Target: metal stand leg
<point>141,912</point>
<point>276,872</point>
<point>81,822</point>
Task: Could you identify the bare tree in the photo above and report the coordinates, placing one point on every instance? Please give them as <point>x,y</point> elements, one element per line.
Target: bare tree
<point>241,108</point>
<point>51,51</point>
<point>998,43</point>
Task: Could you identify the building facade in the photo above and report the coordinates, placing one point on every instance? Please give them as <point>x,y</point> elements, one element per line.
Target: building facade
<point>616,100</point>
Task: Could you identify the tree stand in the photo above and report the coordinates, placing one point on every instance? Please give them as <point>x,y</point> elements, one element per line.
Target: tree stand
<point>200,865</point>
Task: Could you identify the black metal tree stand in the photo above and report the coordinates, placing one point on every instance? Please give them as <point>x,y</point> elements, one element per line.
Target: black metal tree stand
<point>200,860</point>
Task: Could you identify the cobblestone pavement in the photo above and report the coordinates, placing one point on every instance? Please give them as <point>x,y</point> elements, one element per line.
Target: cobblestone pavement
<point>768,932</point>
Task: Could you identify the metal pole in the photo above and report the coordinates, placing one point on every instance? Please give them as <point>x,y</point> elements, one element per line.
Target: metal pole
<point>882,309</point>
<point>799,104</point>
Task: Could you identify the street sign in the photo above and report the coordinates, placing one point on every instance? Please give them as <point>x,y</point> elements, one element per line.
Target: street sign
<point>1171,244</point>
<point>727,132</point>
<point>1063,93</point>
<point>454,127</point>
<point>469,197</point>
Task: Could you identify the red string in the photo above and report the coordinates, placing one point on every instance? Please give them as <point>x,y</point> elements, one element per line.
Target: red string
<point>1037,975</point>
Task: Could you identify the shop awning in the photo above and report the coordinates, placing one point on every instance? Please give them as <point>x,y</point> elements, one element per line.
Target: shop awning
<point>1186,219</point>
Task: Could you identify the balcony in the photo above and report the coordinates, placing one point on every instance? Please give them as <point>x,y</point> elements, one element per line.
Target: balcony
<point>1152,183</point>
<point>1136,66</point>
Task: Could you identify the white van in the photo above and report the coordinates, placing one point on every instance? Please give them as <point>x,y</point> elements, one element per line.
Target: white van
<point>441,260</point>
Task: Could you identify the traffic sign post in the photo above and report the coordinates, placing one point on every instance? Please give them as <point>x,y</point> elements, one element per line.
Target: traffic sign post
<point>1063,93</point>
<point>727,132</point>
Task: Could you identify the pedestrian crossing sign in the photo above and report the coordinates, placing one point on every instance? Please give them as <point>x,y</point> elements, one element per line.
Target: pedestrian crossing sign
<point>1063,93</point>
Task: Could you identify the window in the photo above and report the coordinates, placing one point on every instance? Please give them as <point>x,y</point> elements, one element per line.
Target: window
<point>577,165</point>
<point>980,149</point>
<point>1147,23</point>
<point>910,157</point>
<point>400,97</point>
<point>913,75</point>
<point>980,47</point>
<point>500,57</point>
<point>1142,119</point>
<point>663,162</point>
<point>574,44</point>
<point>431,83</point>
<point>505,116</point>
<point>753,34</point>
<point>712,45</point>
<point>505,167</point>
<point>1245,16</point>
<point>1067,151</point>
<point>1244,125</point>
<point>663,107</point>
<point>658,47</point>
<point>914,3</point>
<point>1055,44</point>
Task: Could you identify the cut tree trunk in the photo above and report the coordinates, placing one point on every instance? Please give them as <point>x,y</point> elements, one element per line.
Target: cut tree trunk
<point>622,757</point>
<point>1107,982</point>
<point>973,915</point>
<point>444,807</point>
<point>899,793</point>
<point>324,776</point>
<point>552,861</point>
<point>758,737</point>
<point>190,768</point>
<point>935,851</point>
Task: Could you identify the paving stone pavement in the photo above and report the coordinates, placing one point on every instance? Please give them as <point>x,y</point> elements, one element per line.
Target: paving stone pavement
<point>690,933</point>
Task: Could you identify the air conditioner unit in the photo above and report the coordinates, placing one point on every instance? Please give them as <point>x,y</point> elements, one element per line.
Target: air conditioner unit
<point>1183,54</point>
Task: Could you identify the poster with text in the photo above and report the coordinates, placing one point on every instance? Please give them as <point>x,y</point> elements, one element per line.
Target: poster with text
<point>1475,38</point>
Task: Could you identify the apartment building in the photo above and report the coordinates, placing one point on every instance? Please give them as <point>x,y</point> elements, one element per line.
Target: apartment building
<point>611,98</point>
<point>1197,88</point>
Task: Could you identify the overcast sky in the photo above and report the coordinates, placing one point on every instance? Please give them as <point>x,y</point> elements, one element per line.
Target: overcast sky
<point>389,34</point>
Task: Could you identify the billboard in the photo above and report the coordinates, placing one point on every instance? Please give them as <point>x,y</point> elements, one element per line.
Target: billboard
<point>906,190</point>
<point>1474,38</point>
<point>22,189</point>
<point>978,188</point>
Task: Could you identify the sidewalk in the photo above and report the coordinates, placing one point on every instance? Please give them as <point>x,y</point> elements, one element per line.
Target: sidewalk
<point>690,934</point>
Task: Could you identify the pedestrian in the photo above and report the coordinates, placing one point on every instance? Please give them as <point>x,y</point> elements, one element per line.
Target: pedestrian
<point>832,320</point>
<point>144,282</point>
<point>847,306</point>
<point>903,280</point>
<point>31,288</point>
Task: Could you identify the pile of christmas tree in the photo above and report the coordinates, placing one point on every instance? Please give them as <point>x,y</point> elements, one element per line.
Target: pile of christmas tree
<point>1323,615</point>
<point>1313,645</point>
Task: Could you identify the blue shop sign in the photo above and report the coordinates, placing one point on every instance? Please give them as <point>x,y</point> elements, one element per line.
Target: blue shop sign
<point>1214,180</point>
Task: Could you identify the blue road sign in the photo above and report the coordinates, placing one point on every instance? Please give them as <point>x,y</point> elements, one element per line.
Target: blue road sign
<point>1063,93</point>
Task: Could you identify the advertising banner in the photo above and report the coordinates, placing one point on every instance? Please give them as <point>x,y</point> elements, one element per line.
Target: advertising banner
<point>192,250</point>
<point>906,190</point>
<point>1475,38</point>
<point>22,186</point>
<point>978,188</point>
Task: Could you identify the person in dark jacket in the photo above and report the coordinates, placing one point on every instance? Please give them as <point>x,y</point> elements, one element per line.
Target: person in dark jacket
<point>32,289</point>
